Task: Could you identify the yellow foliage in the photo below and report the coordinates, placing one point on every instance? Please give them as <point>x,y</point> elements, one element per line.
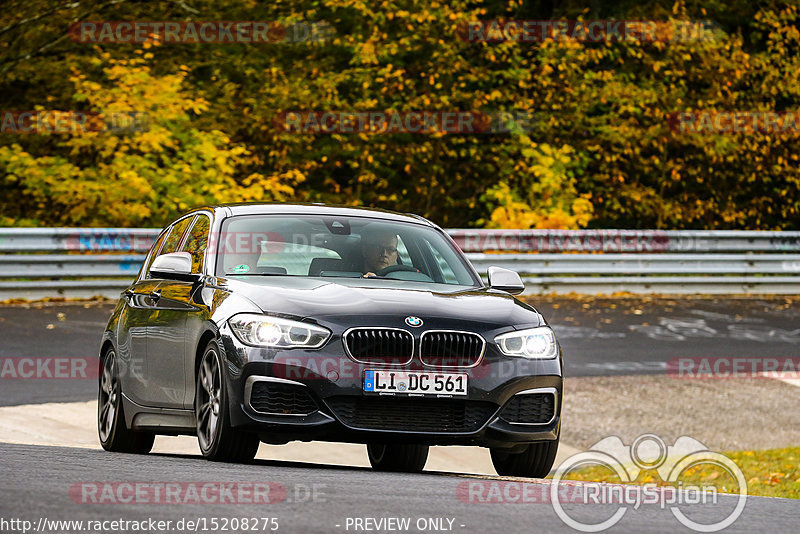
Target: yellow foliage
<point>144,177</point>
<point>546,198</point>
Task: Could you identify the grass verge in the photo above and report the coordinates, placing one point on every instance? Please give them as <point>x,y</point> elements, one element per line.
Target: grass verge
<point>769,473</point>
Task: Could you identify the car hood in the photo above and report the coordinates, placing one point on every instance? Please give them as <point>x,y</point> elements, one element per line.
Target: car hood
<point>350,300</point>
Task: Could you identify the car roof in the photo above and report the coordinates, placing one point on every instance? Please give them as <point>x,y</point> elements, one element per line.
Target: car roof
<point>254,208</point>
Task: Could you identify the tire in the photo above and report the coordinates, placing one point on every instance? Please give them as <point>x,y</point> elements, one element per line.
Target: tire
<point>535,461</point>
<point>112,430</point>
<point>397,457</point>
<point>218,441</point>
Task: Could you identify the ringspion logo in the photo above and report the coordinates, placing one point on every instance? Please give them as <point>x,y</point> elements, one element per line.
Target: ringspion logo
<point>648,452</point>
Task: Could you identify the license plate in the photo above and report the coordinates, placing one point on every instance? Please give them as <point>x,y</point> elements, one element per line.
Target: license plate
<point>415,383</point>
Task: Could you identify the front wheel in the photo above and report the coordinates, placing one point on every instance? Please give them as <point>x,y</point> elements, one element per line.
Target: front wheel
<point>535,461</point>
<point>397,457</point>
<point>217,439</point>
<point>114,434</point>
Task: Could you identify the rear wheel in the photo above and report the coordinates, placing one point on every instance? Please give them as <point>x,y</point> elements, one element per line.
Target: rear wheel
<point>535,461</point>
<point>397,457</point>
<point>217,439</point>
<point>114,435</point>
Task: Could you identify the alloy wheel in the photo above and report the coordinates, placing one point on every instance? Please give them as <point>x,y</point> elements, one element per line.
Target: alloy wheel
<point>208,409</point>
<point>109,396</point>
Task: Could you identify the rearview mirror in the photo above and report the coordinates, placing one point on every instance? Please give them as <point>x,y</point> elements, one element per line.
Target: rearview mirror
<point>505,280</point>
<point>174,266</point>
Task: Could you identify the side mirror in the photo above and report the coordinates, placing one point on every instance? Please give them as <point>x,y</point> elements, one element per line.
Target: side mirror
<point>505,280</point>
<point>174,266</point>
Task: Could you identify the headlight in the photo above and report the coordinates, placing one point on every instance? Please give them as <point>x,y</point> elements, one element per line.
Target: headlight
<point>268,331</point>
<point>534,343</point>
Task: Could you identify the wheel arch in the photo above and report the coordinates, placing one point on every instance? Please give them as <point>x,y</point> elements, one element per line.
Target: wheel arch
<point>205,338</point>
<point>104,347</point>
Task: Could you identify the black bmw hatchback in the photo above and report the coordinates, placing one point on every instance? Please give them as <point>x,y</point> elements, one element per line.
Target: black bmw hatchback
<point>273,323</point>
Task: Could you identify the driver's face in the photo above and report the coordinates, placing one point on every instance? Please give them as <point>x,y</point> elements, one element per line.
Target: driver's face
<point>380,254</point>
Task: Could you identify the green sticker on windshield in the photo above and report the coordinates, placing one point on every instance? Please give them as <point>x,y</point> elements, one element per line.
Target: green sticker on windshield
<point>241,268</point>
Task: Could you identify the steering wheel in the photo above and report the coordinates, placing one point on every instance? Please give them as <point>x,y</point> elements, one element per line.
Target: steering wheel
<point>395,268</point>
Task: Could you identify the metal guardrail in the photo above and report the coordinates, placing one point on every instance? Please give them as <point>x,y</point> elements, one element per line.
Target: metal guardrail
<point>81,263</point>
<point>640,264</point>
<point>64,265</point>
<point>76,239</point>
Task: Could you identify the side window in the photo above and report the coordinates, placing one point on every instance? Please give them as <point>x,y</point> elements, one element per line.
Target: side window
<point>197,241</point>
<point>444,267</point>
<point>170,242</point>
<point>154,251</point>
<point>174,237</point>
<point>402,252</point>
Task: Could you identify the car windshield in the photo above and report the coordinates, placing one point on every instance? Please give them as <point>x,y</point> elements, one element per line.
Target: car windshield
<point>345,247</point>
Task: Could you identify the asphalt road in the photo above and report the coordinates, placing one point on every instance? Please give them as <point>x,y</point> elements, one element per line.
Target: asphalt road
<point>54,489</point>
<point>599,336</point>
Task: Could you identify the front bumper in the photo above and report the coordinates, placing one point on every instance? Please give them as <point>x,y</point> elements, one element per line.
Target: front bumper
<point>335,383</point>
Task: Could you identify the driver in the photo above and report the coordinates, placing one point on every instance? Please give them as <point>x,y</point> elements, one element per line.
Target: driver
<point>379,251</point>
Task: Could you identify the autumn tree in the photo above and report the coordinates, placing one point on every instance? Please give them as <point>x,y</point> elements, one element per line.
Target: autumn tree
<point>142,173</point>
